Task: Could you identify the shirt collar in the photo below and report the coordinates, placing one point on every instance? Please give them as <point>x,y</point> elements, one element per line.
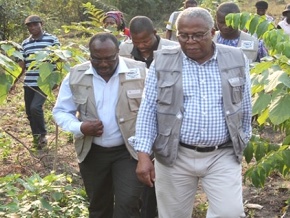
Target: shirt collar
<point>32,39</point>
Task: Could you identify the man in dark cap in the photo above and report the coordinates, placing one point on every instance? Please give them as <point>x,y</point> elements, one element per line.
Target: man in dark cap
<point>285,23</point>
<point>33,96</point>
<point>262,8</point>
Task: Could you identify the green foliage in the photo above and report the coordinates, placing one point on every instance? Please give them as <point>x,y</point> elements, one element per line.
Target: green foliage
<point>91,26</point>
<point>269,158</point>
<point>51,196</point>
<point>251,22</point>
<point>270,97</point>
<point>9,69</point>
<point>5,150</point>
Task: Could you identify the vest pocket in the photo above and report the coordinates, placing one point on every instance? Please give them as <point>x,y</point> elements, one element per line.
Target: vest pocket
<point>162,146</point>
<point>165,92</point>
<point>134,99</point>
<point>81,103</point>
<point>236,89</point>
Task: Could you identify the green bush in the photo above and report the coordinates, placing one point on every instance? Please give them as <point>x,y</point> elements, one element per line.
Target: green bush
<point>51,196</point>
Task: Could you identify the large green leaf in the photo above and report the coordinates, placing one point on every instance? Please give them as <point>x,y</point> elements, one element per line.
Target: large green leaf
<point>245,16</point>
<point>285,79</point>
<point>5,84</point>
<point>45,204</point>
<point>263,117</point>
<point>260,102</point>
<point>260,151</point>
<point>262,28</point>
<point>248,152</point>
<point>286,50</point>
<point>47,84</point>
<point>286,157</point>
<point>45,69</point>
<point>279,109</point>
<point>236,21</point>
<point>230,19</point>
<point>253,24</point>
<point>273,80</point>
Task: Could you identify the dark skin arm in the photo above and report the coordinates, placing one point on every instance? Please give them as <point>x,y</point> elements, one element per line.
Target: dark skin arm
<point>145,169</point>
<point>92,128</point>
<point>168,34</point>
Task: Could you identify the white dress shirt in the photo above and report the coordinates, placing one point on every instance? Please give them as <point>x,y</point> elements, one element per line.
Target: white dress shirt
<point>106,96</point>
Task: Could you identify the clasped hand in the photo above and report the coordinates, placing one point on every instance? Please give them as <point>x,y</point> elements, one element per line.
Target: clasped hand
<point>92,128</point>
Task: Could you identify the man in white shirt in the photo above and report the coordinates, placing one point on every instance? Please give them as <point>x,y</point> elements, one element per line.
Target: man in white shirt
<point>285,23</point>
<point>170,27</point>
<point>98,102</point>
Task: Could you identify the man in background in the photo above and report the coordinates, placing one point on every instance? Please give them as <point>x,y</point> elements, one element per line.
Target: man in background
<point>253,48</point>
<point>170,27</point>
<point>144,41</point>
<point>262,8</point>
<point>33,96</point>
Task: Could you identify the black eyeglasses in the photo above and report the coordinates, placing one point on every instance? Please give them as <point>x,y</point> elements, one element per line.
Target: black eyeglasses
<point>196,37</point>
<point>106,60</point>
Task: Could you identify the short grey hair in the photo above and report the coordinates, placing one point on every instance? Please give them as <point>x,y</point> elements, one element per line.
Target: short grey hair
<point>196,12</point>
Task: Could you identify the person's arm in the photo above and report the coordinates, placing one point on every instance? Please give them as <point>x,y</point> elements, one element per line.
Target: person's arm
<point>247,104</point>
<point>169,27</point>
<point>146,129</point>
<point>168,34</point>
<point>64,111</point>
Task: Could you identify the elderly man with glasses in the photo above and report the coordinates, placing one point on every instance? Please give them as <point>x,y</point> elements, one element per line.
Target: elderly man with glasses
<point>98,102</point>
<point>196,116</point>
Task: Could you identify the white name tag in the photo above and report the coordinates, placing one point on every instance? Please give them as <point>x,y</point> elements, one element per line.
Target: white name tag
<point>247,45</point>
<point>134,92</point>
<point>133,74</point>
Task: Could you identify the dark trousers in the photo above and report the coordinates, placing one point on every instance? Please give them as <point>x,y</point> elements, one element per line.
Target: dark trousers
<point>34,109</point>
<point>149,203</point>
<point>111,183</point>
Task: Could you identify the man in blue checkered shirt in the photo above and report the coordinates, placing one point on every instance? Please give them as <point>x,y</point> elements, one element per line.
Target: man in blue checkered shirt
<point>196,117</point>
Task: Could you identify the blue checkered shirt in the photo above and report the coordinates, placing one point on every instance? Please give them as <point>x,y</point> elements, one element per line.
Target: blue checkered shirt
<point>203,120</point>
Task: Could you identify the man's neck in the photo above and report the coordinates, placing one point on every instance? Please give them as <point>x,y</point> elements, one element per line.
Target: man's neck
<point>38,36</point>
<point>234,35</point>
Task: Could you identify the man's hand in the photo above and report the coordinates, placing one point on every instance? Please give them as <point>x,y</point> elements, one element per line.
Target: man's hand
<point>92,128</point>
<point>145,169</point>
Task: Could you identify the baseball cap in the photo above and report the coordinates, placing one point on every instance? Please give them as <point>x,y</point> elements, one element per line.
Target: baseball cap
<point>32,19</point>
<point>287,9</point>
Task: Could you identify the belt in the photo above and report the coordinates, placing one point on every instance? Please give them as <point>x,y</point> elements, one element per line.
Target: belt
<point>205,149</point>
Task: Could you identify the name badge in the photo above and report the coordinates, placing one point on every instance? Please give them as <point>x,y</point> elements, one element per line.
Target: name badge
<point>247,45</point>
<point>133,74</point>
<point>134,92</point>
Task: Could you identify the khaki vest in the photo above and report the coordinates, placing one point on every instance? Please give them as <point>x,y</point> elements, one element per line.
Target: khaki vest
<point>170,99</point>
<point>251,53</point>
<point>129,99</point>
<point>126,47</point>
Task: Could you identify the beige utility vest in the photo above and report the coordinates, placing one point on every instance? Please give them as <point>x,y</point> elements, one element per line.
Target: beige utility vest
<point>129,99</point>
<point>249,44</point>
<point>168,65</point>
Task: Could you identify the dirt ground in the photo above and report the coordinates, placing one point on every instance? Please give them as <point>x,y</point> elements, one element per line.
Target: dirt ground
<point>268,202</point>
